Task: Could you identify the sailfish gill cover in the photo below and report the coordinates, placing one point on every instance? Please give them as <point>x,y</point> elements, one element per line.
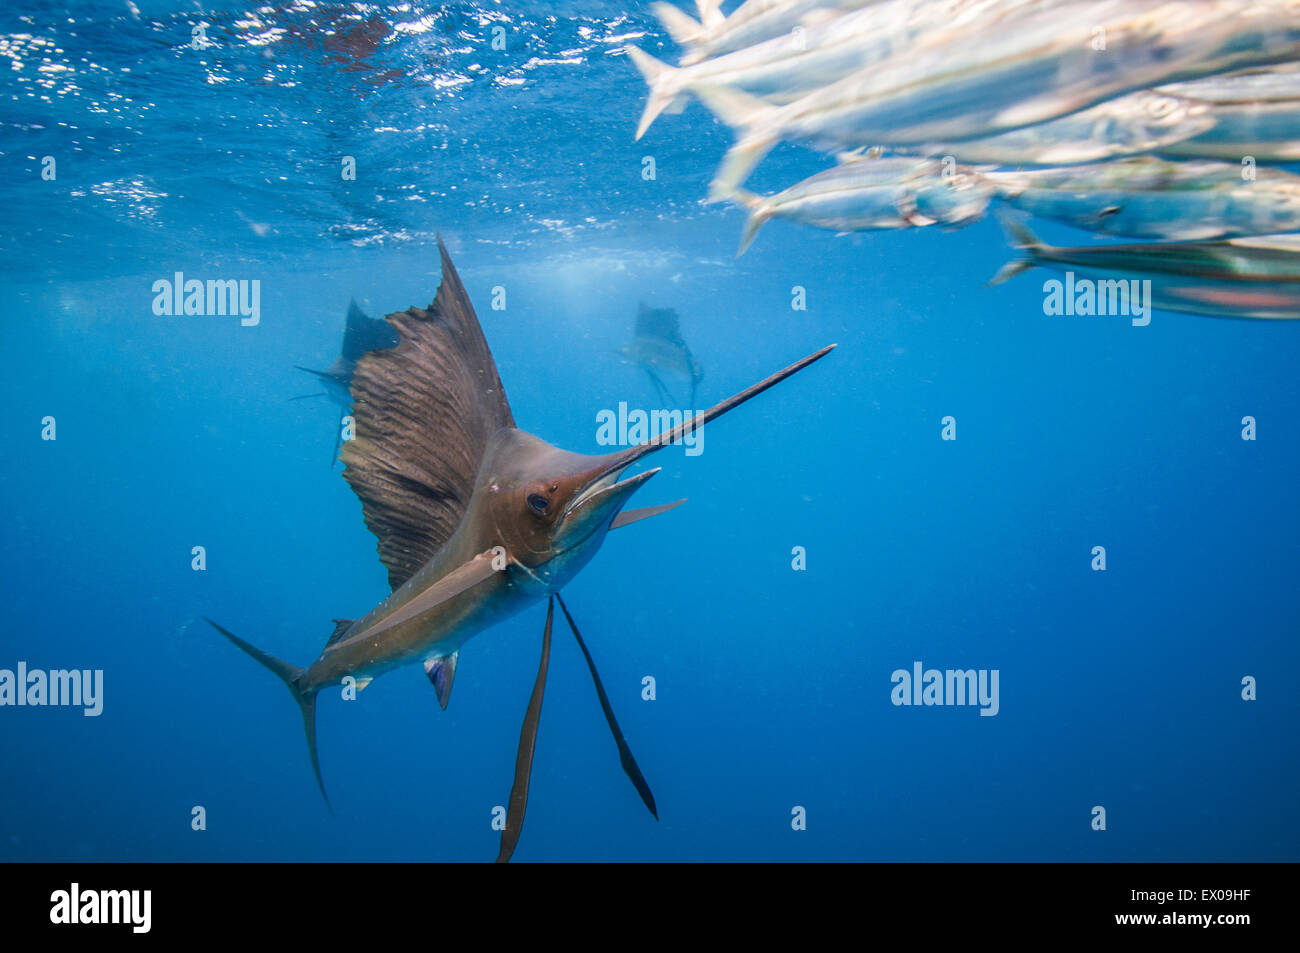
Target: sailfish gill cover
<point>1094,517</point>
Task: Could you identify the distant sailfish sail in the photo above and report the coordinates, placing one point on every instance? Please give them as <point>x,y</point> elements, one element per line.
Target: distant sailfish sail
<point>657,347</point>
<point>361,335</point>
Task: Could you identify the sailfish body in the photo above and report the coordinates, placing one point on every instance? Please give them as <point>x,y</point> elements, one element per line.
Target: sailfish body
<point>475,519</point>
<point>404,629</point>
<point>657,347</point>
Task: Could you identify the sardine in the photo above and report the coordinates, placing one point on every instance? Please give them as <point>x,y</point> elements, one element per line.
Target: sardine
<point>1255,114</point>
<point>869,194</point>
<point>1140,122</point>
<point>786,67</point>
<point>1237,278</point>
<point>754,21</point>
<point>1016,72</point>
<point>1154,198</point>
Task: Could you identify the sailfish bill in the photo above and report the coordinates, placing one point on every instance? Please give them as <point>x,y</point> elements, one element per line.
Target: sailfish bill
<point>476,520</point>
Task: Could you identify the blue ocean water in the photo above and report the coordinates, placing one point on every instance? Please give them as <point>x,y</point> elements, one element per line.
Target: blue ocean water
<point>1119,688</point>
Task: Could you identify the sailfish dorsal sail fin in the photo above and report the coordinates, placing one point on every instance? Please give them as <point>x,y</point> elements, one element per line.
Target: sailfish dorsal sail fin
<point>363,334</point>
<point>660,323</point>
<point>423,413</point>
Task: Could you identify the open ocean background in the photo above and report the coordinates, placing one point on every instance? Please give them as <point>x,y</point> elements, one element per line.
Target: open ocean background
<point>1118,688</point>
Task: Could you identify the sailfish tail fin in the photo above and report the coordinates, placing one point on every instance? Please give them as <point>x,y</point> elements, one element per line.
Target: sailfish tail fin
<point>291,675</point>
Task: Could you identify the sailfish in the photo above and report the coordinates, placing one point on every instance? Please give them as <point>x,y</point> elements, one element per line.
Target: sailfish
<point>657,345</point>
<point>361,334</point>
<point>476,520</point>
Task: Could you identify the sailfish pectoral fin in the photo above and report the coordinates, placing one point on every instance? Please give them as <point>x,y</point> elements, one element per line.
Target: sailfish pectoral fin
<point>630,767</point>
<point>527,744</point>
<point>460,579</point>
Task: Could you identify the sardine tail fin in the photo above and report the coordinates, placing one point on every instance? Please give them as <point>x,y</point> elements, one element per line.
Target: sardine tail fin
<point>737,109</point>
<point>1009,271</point>
<point>1018,233</point>
<point>683,30</point>
<point>663,83</point>
<point>710,12</point>
<point>751,117</point>
<point>1021,239</point>
<point>757,217</point>
<point>737,164</point>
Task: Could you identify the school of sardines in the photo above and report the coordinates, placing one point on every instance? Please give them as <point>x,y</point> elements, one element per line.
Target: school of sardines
<point>1168,121</point>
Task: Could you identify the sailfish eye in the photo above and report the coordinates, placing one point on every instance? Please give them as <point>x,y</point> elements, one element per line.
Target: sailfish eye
<point>538,503</point>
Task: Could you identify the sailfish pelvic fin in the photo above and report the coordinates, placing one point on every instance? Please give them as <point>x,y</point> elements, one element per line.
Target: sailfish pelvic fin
<point>527,745</point>
<point>630,767</point>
